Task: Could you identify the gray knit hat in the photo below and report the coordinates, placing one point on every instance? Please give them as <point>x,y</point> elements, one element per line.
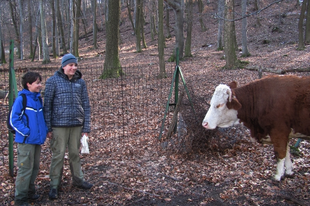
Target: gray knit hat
<point>67,59</point>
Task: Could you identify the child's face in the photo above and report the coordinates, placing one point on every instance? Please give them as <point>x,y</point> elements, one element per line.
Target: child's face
<point>35,86</point>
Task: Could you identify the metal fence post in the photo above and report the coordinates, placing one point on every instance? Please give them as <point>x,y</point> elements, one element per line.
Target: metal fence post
<point>12,95</point>
<point>175,81</point>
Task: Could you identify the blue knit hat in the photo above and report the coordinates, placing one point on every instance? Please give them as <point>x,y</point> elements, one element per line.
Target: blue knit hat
<point>67,59</point>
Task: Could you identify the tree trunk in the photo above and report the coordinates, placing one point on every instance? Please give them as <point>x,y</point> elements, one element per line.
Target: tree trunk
<point>256,8</point>
<point>129,15</point>
<point>245,52</point>
<point>152,8</point>
<point>21,30</point>
<point>301,43</point>
<point>200,10</point>
<point>112,65</point>
<point>220,11</point>
<point>179,36</point>
<point>2,53</point>
<point>30,29</point>
<point>95,27</point>
<point>46,57</point>
<point>2,57</point>
<point>307,29</point>
<point>12,8</point>
<point>57,37</point>
<point>60,29</point>
<point>72,20</point>
<point>36,35</point>
<point>161,40</point>
<point>230,52</point>
<point>137,26</point>
<point>84,19</point>
<point>76,32</point>
<point>54,28</point>
<point>142,24</point>
<point>168,22</point>
<point>189,15</point>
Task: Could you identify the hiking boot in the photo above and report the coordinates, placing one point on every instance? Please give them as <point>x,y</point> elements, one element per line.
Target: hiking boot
<point>53,194</point>
<point>21,204</point>
<point>84,185</point>
<point>33,196</point>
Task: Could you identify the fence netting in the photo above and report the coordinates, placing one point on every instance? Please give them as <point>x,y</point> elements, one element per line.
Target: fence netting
<point>132,104</point>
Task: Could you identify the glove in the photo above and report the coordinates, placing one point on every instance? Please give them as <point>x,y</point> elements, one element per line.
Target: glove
<point>84,143</point>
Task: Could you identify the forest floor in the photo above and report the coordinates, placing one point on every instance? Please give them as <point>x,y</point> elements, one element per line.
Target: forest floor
<point>219,167</point>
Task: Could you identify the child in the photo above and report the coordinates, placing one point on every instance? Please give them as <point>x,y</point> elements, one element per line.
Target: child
<point>31,131</point>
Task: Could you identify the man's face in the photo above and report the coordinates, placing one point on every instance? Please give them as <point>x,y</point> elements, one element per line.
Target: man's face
<point>70,69</point>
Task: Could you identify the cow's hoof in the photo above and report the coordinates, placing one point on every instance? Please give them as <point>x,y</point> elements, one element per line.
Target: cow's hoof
<point>277,178</point>
<point>289,175</point>
<point>274,182</point>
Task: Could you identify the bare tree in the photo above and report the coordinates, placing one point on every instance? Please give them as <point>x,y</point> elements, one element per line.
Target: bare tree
<point>220,13</point>
<point>71,14</point>
<point>230,53</point>
<point>142,22</point>
<point>161,40</point>
<point>112,66</point>
<point>13,12</point>
<point>256,8</point>
<point>36,38</point>
<point>189,20</point>
<point>2,53</point>
<point>200,10</point>
<point>307,28</point>
<point>30,29</point>
<point>245,51</point>
<point>76,27</point>
<point>301,43</point>
<point>54,28</point>
<point>129,14</point>
<point>84,18</point>
<point>138,25</point>
<point>179,36</point>
<point>168,21</point>
<point>46,57</point>
<point>95,27</point>
<point>60,28</point>
<point>152,8</point>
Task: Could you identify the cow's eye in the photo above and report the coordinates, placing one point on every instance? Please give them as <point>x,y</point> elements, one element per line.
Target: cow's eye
<point>219,105</point>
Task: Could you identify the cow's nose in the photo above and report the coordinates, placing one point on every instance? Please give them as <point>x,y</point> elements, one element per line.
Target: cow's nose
<point>205,124</point>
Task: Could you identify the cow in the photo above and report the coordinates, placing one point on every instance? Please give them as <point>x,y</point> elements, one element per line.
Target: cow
<point>274,107</point>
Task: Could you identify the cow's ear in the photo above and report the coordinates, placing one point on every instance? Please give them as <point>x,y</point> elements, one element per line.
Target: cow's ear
<point>234,104</point>
<point>232,85</point>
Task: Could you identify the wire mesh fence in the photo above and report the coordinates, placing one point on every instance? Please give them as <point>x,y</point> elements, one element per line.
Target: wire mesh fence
<point>130,105</point>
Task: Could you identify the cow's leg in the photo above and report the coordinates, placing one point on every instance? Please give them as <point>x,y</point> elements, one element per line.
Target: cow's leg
<point>280,169</point>
<point>280,141</point>
<point>288,162</point>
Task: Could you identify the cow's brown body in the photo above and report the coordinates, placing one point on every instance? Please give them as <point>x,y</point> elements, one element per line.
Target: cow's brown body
<point>273,106</point>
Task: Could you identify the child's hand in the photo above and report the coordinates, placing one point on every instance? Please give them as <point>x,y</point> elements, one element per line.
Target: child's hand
<point>49,135</point>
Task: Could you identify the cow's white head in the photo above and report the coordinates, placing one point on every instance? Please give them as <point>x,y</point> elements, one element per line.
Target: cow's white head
<point>223,108</point>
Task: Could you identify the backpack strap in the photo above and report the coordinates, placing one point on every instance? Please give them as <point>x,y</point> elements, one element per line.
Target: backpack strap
<point>24,109</point>
<point>24,102</point>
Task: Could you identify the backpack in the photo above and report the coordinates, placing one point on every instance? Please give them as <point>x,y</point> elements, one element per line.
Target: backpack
<point>11,129</point>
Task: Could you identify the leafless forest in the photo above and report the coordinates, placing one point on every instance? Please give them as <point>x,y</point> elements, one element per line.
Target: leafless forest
<point>128,163</point>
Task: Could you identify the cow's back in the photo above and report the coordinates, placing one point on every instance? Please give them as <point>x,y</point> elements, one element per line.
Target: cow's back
<point>275,101</point>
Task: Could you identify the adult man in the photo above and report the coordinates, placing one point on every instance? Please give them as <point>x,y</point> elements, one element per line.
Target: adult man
<point>67,115</point>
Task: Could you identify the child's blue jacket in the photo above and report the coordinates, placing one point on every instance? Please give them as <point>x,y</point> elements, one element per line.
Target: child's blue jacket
<point>32,130</point>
